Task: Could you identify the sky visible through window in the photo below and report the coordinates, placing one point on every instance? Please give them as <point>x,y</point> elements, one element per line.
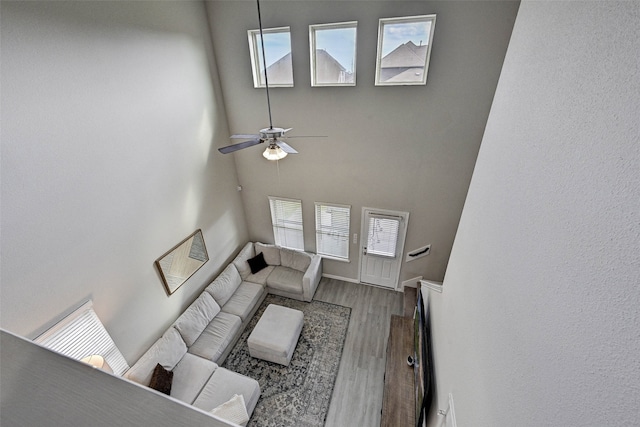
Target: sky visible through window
<point>400,33</point>
<point>276,45</point>
<point>339,43</point>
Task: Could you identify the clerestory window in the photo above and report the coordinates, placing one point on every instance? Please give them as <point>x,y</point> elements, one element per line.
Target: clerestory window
<point>277,48</point>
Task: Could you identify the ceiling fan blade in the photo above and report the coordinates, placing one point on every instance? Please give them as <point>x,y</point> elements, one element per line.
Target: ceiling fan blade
<point>286,147</point>
<point>286,130</point>
<point>244,136</point>
<point>240,146</point>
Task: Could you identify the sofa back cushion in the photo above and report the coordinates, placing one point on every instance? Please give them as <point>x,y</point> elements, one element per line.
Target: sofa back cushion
<point>167,351</point>
<point>195,318</point>
<point>296,260</point>
<point>241,263</point>
<point>225,284</point>
<point>271,253</point>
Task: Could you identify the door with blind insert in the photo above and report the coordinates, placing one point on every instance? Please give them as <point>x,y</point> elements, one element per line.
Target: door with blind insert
<point>382,243</point>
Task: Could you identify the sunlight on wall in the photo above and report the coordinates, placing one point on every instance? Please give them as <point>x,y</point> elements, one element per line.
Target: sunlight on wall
<point>205,135</point>
<point>191,206</point>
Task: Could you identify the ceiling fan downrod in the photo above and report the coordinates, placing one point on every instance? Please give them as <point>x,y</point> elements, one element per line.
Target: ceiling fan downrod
<point>264,63</point>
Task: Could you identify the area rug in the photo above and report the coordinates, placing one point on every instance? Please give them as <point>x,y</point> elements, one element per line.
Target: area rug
<point>298,394</point>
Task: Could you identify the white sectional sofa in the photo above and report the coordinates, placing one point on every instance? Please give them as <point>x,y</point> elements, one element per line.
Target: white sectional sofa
<point>289,273</point>
<point>203,336</point>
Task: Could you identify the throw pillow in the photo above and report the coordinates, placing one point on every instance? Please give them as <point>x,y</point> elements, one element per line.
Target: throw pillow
<point>161,379</point>
<point>257,263</point>
<point>233,410</point>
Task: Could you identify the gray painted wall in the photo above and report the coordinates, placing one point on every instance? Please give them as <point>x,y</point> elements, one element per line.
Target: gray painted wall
<point>408,148</point>
<point>538,323</point>
<point>111,113</point>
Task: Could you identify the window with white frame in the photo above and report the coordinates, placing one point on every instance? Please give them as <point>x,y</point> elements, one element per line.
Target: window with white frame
<point>286,218</point>
<point>333,54</point>
<point>404,49</point>
<point>81,335</point>
<point>332,230</point>
<point>277,49</point>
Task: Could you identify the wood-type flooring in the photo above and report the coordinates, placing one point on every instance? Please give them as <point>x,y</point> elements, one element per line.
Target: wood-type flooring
<point>358,392</point>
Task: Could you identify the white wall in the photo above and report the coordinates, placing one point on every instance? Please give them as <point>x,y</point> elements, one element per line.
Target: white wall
<point>409,148</point>
<point>110,115</point>
<point>43,388</point>
<point>539,324</point>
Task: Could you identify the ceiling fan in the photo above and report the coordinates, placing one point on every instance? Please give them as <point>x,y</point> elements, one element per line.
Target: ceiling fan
<point>276,148</point>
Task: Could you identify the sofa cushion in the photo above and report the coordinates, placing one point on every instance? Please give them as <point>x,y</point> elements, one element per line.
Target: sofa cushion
<point>195,318</point>
<point>261,276</point>
<point>167,351</point>
<point>244,300</point>
<point>295,259</point>
<point>271,253</point>
<point>257,263</point>
<point>240,260</point>
<point>225,284</point>
<point>286,279</point>
<point>189,376</point>
<point>216,336</point>
<point>223,385</point>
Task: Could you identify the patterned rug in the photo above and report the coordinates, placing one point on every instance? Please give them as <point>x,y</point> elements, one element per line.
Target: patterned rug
<point>298,394</point>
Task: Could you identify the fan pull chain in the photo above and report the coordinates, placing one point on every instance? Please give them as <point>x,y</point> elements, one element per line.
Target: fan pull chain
<point>264,62</point>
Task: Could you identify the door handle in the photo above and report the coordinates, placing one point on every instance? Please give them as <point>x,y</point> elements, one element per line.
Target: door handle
<point>365,251</point>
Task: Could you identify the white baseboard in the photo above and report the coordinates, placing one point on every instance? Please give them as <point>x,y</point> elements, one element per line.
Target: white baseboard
<point>344,279</point>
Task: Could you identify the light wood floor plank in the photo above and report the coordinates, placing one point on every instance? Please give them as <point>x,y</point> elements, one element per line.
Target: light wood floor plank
<point>357,395</point>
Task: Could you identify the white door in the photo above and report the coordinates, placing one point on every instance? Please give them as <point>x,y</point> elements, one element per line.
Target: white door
<point>382,243</point>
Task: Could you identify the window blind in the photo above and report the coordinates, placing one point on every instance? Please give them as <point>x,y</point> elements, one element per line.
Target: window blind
<point>82,334</point>
<point>286,218</point>
<point>332,230</point>
<point>382,238</point>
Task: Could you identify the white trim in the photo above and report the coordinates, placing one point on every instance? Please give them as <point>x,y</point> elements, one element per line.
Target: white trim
<point>281,224</point>
<point>286,199</point>
<point>332,258</point>
<point>64,322</point>
<point>346,258</point>
<point>255,57</point>
<point>430,284</point>
<point>312,50</point>
<point>405,19</point>
<point>451,412</point>
<point>82,334</point>
<point>344,279</point>
<point>411,283</point>
<point>364,230</point>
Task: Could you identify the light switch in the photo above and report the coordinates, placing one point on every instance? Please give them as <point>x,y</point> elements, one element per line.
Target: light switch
<point>355,238</point>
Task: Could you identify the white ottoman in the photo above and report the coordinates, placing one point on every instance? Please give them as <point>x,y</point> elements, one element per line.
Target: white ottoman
<point>276,334</point>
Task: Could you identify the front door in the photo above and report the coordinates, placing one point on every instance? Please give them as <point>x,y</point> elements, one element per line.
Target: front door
<point>382,243</point>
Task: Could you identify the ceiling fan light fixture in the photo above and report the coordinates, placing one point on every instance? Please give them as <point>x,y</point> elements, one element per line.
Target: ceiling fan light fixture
<point>273,152</point>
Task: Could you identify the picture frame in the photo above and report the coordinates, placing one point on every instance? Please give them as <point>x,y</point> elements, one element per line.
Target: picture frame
<point>182,261</point>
